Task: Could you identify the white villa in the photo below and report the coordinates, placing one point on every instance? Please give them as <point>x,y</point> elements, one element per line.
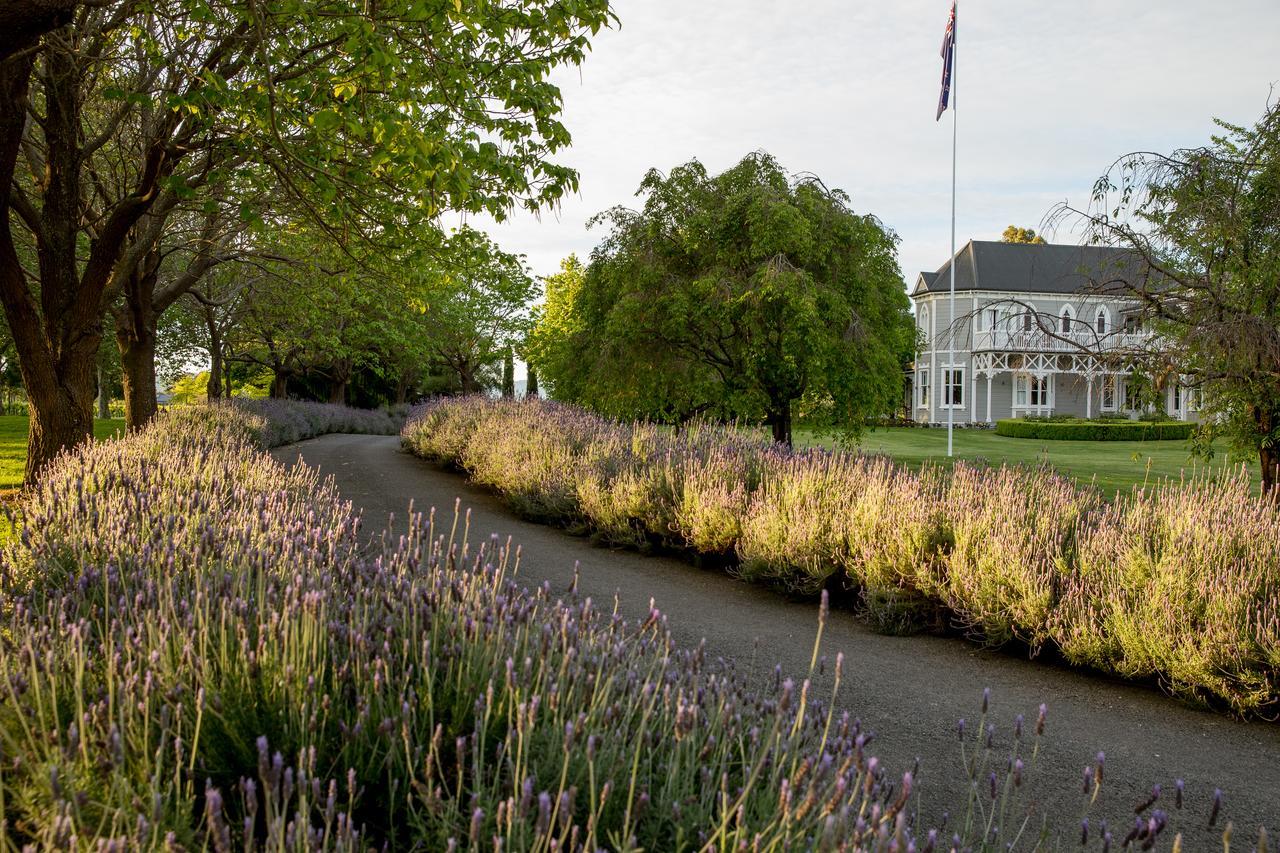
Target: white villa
<point>1036,332</point>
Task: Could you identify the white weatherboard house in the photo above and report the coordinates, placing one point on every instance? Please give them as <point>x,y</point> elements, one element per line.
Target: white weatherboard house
<point>1036,332</point>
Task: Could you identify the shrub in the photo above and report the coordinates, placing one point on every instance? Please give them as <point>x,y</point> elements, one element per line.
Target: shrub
<point>1108,430</point>
<point>1004,554</point>
<point>287,421</point>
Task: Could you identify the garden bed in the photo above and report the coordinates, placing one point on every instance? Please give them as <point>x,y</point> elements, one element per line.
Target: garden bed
<point>1177,583</point>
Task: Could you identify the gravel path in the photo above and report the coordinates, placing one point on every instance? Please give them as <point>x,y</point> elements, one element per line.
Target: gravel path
<point>909,690</point>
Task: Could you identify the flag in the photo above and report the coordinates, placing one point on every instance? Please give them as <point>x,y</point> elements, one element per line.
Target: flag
<point>948,58</point>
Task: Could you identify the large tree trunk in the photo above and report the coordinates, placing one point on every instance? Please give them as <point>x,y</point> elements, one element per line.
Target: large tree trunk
<point>467,379</point>
<point>136,337</point>
<point>61,416</point>
<point>214,387</point>
<point>138,356</point>
<point>279,385</point>
<point>58,361</point>
<point>57,327</point>
<point>338,384</point>
<point>780,421</point>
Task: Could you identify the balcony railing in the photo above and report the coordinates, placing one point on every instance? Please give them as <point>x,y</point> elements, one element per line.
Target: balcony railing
<point>1038,340</point>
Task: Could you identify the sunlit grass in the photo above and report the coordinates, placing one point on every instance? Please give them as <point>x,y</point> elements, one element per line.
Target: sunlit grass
<point>13,445</point>
<point>1113,466</point>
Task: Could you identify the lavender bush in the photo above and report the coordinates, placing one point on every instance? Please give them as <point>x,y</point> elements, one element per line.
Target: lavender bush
<point>287,421</point>
<point>1179,582</point>
<point>197,653</point>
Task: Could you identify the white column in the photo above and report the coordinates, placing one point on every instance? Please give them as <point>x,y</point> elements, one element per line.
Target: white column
<point>988,397</point>
<point>1088,397</point>
<point>973,396</point>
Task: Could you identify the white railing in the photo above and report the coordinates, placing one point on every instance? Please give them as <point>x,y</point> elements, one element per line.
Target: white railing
<point>1038,340</point>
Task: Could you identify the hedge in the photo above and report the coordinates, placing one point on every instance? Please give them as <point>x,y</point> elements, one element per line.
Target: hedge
<point>1095,430</point>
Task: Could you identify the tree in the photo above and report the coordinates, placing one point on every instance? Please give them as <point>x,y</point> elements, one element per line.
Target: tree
<point>557,326</point>
<point>1205,224</point>
<point>1014,234</point>
<point>509,372</point>
<point>363,114</point>
<point>476,300</point>
<point>741,295</point>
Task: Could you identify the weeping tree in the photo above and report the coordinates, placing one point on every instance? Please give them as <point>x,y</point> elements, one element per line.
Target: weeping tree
<point>742,295</point>
<point>1205,223</point>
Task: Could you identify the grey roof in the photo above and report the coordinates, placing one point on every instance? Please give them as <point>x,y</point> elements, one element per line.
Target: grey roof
<point>1031,267</point>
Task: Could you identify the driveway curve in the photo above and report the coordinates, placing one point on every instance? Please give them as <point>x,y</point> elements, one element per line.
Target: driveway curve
<point>910,691</point>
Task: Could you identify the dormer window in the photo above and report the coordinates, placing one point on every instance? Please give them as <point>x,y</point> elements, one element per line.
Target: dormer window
<point>1103,321</point>
<point>1065,320</point>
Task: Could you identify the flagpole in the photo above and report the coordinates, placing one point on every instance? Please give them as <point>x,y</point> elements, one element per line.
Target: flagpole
<point>949,394</point>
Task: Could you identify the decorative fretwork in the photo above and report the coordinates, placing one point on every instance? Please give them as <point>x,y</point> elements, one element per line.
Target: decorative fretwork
<point>1089,365</point>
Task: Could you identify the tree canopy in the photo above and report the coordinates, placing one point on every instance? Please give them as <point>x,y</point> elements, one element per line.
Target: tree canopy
<point>367,120</point>
<point>738,295</point>
<point>1014,234</point>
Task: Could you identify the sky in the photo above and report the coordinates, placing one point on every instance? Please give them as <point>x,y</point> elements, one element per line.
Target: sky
<point>1047,96</point>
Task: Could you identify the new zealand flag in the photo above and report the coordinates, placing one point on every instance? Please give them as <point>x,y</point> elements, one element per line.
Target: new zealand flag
<point>948,60</point>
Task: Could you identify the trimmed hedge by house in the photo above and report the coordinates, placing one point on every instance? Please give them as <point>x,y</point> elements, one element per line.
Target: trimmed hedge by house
<point>1095,430</point>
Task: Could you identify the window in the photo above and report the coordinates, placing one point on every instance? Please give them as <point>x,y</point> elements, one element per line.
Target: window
<point>1028,321</point>
<point>922,382</point>
<point>1108,393</point>
<point>1030,391</point>
<point>1132,324</point>
<point>1065,318</point>
<point>953,387</point>
<point>991,318</point>
<point>924,320</point>
<point>1133,396</point>
<point>1039,391</point>
<point>1175,398</point>
<point>1103,321</point>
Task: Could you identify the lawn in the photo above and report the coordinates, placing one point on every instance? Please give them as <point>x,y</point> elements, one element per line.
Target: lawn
<point>13,445</point>
<point>1113,465</point>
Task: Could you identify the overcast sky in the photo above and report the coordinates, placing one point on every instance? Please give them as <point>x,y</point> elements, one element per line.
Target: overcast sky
<point>1048,95</point>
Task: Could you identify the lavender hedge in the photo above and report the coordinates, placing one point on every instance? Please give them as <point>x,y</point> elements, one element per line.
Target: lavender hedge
<point>197,652</point>
<point>1178,583</point>
<point>286,421</point>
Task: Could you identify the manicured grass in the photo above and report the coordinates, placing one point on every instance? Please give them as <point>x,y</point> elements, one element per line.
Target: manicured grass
<point>13,445</point>
<point>1112,465</point>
